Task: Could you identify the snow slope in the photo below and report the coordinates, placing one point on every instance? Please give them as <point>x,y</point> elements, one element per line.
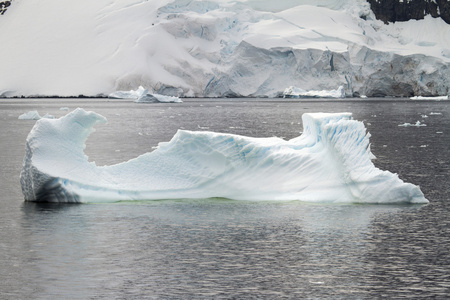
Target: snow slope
<point>329,162</point>
<point>217,48</point>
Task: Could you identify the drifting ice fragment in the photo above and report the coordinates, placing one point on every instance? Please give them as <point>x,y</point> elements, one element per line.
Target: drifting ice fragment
<point>329,162</point>
<point>417,124</point>
<point>34,115</point>
<point>31,115</point>
<point>429,98</point>
<point>294,92</point>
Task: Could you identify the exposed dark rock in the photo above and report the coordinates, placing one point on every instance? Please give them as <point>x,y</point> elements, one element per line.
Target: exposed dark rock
<point>4,5</point>
<point>397,10</point>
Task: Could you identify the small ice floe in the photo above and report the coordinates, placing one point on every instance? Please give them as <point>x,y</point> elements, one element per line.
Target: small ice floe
<point>317,282</point>
<point>295,92</point>
<point>418,124</point>
<point>435,113</point>
<point>31,115</point>
<point>64,109</point>
<point>424,116</point>
<point>34,115</point>
<point>437,98</point>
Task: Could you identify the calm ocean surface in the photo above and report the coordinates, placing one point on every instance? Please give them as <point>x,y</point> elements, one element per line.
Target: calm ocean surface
<point>222,249</point>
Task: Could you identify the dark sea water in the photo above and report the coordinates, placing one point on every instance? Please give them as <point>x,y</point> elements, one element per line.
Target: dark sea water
<point>222,249</point>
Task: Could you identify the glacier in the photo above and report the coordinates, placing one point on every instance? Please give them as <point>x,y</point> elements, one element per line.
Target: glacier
<point>330,162</point>
<point>218,48</point>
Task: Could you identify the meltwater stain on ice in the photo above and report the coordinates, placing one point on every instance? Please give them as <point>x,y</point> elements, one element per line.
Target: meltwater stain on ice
<point>329,162</point>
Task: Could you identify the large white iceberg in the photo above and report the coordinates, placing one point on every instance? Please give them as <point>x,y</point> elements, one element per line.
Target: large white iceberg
<point>329,162</point>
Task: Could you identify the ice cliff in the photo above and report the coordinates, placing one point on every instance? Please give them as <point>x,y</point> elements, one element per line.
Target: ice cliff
<point>218,48</point>
<point>329,162</point>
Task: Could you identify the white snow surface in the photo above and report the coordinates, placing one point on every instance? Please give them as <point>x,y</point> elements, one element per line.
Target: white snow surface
<point>295,92</point>
<point>217,48</point>
<point>329,162</point>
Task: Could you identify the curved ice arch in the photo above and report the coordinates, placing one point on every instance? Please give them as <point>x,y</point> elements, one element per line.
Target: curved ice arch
<point>329,162</point>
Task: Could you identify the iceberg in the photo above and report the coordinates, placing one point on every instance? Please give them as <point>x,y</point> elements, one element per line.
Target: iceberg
<point>31,115</point>
<point>157,98</point>
<point>141,95</point>
<point>34,115</point>
<point>329,163</point>
<point>132,94</point>
<point>295,92</point>
<point>417,124</point>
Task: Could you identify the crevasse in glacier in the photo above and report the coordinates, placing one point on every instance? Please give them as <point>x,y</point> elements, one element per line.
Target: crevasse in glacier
<point>329,162</point>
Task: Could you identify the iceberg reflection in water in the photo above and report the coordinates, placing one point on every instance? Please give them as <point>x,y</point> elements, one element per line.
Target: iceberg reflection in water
<point>329,162</point>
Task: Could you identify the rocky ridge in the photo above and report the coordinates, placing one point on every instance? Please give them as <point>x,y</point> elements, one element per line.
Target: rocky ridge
<point>402,10</point>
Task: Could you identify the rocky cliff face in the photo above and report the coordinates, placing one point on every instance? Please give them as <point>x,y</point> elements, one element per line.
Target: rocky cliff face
<point>404,10</point>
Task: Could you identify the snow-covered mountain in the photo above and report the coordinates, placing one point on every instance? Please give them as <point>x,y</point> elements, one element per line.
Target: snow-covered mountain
<point>218,48</point>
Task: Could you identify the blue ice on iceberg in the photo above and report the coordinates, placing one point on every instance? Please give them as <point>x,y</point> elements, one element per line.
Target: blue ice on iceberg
<point>329,162</point>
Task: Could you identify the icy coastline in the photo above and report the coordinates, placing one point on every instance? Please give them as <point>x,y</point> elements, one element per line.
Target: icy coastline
<point>329,163</point>
<point>219,49</point>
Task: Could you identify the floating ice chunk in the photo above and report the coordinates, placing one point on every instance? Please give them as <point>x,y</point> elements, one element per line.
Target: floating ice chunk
<point>132,94</point>
<point>64,109</point>
<point>31,115</point>
<point>295,92</point>
<point>418,124</point>
<point>329,162</point>
<point>48,116</point>
<point>438,98</point>
<point>156,98</point>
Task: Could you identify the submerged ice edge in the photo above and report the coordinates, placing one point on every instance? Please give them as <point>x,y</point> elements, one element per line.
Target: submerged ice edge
<point>329,162</point>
